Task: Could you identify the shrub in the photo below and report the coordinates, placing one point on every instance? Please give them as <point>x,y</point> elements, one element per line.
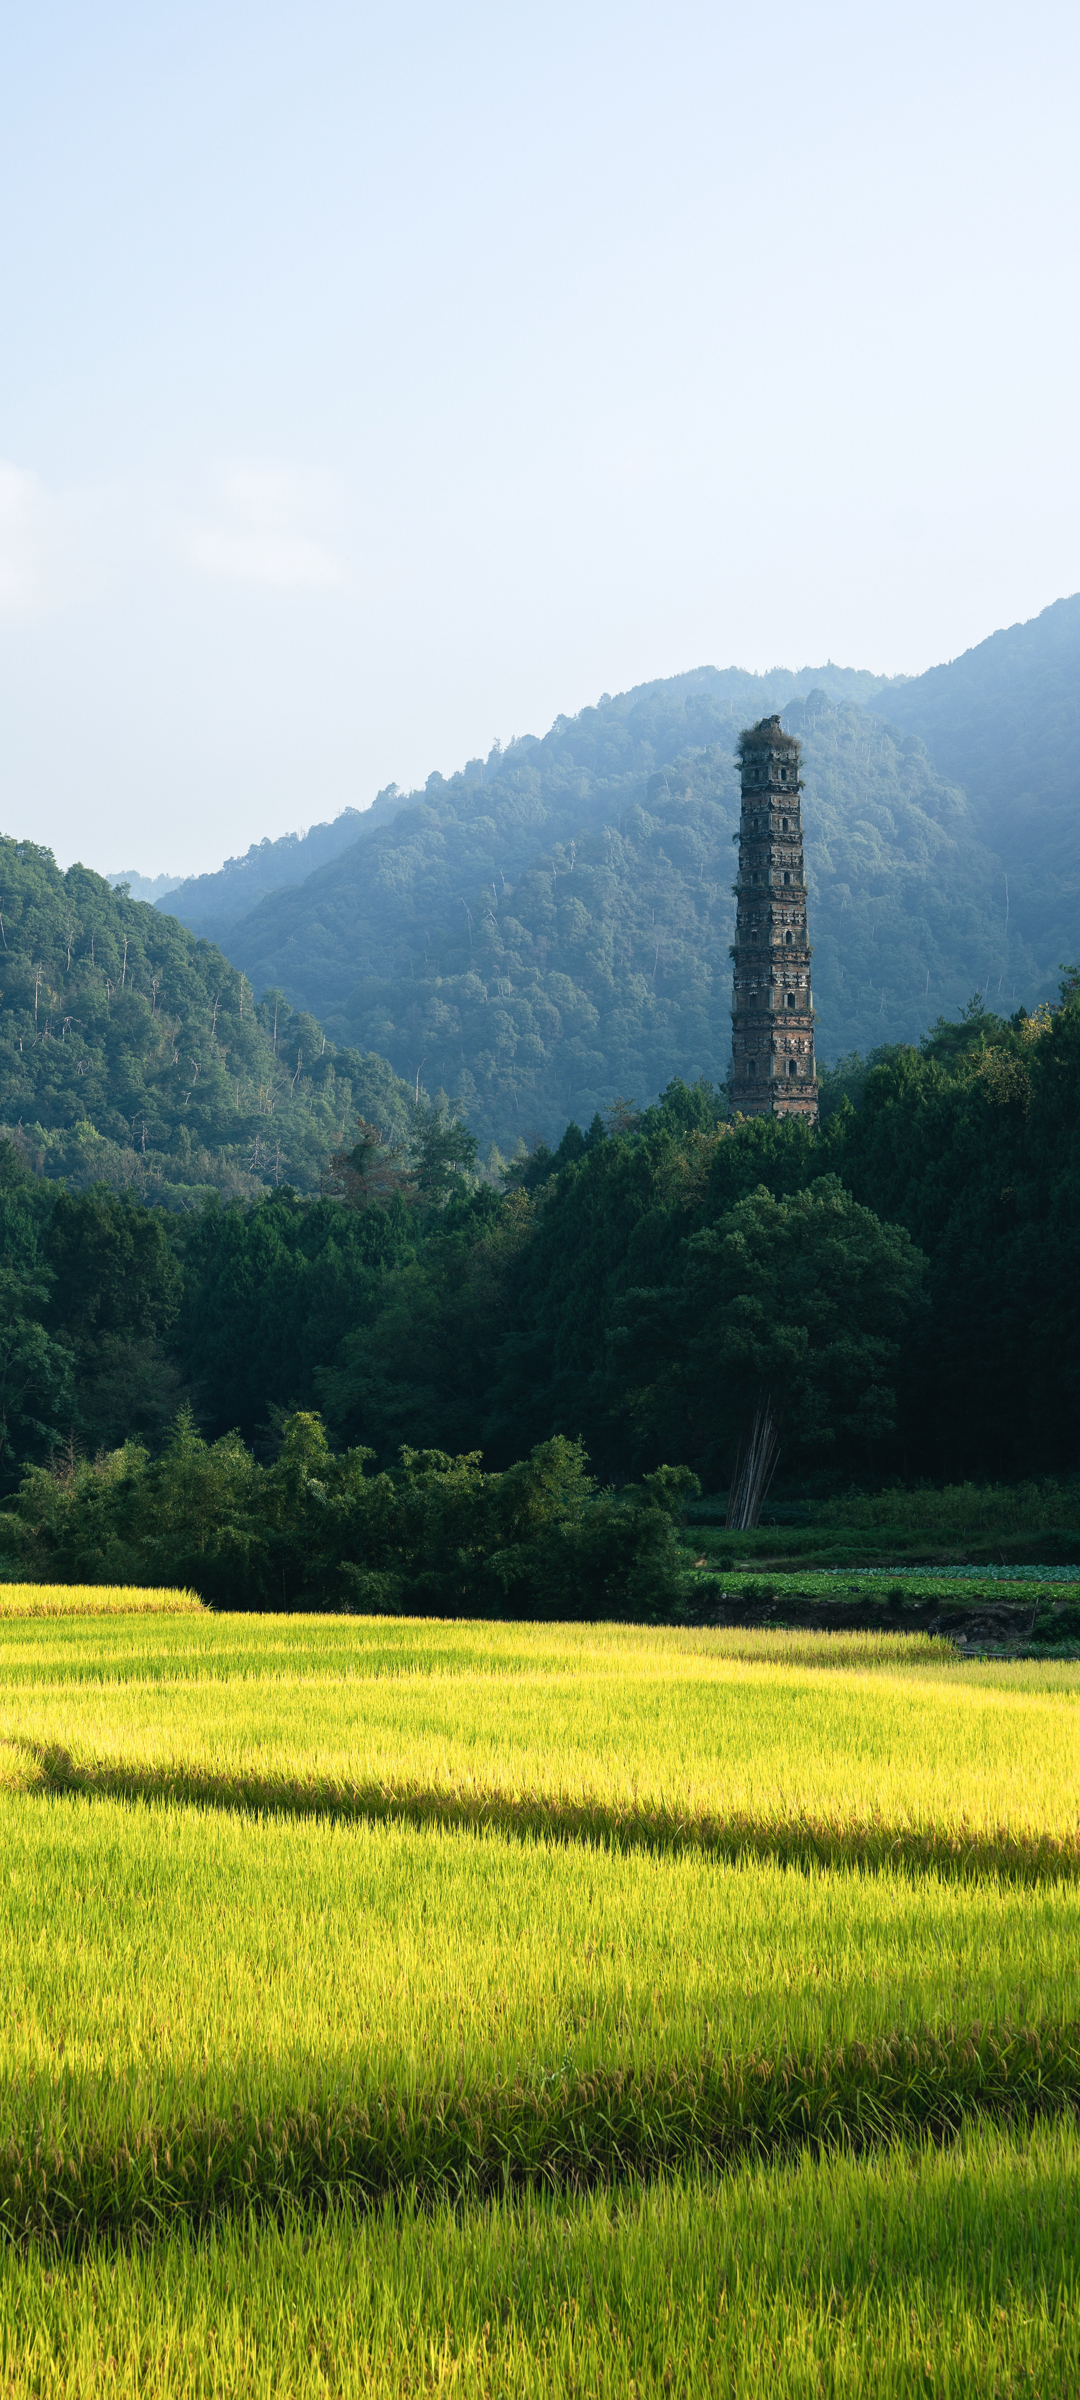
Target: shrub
<point>433,1536</point>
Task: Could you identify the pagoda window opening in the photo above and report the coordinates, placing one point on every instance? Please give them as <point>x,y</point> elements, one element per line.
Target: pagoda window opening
<point>792,1066</point>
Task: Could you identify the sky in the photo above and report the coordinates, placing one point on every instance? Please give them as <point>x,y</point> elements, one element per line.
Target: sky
<point>379,382</point>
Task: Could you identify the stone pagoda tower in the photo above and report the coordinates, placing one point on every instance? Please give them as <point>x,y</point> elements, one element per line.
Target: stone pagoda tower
<point>772,1044</point>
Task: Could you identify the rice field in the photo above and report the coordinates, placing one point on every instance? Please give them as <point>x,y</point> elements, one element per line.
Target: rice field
<point>908,2271</point>
<point>406,2007</point>
<point>722,1741</point>
<point>95,1600</point>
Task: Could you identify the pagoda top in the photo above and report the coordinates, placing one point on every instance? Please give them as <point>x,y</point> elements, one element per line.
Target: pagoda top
<point>767,734</point>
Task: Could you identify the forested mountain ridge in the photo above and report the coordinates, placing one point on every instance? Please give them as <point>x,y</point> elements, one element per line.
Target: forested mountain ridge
<point>1003,720</point>
<point>209,904</point>
<point>133,1054</point>
<point>556,935</point>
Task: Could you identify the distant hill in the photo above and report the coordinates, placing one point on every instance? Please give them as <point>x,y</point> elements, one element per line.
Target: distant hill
<point>210,904</point>
<point>549,932</point>
<point>133,1054</point>
<point>1004,721</point>
<point>144,887</point>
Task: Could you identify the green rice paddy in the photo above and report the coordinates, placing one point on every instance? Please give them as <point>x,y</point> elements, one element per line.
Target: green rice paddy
<point>407,2007</point>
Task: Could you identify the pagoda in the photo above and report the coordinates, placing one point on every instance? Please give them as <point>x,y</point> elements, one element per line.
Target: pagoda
<point>772,1042</point>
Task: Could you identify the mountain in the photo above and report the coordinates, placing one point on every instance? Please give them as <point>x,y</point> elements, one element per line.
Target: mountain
<point>144,887</point>
<point>549,932</point>
<point>209,904</point>
<point>133,1054</point>
<point>1004,721</point>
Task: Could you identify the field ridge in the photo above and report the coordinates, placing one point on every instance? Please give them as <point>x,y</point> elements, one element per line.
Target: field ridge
<point>798,1839</point>
<point>555,2128</point>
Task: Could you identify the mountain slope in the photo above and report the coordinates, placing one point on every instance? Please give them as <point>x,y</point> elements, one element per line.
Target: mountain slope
<point>556,936</point>
<point>209,904</point>
<point>133,1054</point>
<point>1004,721</point>
<point>144,887</point>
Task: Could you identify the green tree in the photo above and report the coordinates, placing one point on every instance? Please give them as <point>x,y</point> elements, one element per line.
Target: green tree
<point>116,1288</point>
<point>35,1373</point>
<point>786,1324</point>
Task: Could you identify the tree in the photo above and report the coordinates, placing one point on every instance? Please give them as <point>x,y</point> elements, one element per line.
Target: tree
<point>132,1054</point>
<point>786,1324</point>
<point>35,1372</point>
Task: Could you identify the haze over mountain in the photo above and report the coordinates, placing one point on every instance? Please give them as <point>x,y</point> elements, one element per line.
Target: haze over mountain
<point>1004,721</point>
<point>143,887</point>
<point>210,903</point>
<point>548,929</point>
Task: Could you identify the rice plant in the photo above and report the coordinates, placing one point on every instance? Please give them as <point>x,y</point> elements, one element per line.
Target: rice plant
<point>95,1600</point>
<point>949,2271</point>
<point>601,1734</point>
<point>203,2013</point>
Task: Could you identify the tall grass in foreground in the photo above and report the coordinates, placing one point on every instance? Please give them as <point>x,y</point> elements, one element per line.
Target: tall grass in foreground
<point>205,2015</point>
<point>96,1600</point>
<point>951,2273</point>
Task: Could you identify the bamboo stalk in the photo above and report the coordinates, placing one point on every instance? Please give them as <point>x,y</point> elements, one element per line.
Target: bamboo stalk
<point>754,1465</point>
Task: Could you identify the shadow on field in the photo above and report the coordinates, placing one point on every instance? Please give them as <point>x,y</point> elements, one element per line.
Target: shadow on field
<point>796,1839</point>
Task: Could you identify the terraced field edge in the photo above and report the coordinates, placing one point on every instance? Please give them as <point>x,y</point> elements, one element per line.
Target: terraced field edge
<point>798,1839</point>
<point>61,2184</point>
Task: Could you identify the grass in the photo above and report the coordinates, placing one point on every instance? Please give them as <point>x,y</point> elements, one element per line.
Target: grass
<point>944,2272</point>
<point>95,1600</point>
<point>963,1586</point>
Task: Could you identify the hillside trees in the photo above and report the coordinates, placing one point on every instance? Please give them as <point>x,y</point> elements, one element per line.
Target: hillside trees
<point>134,1055</point>
<point>1004,721</point>
<point>553,935</point>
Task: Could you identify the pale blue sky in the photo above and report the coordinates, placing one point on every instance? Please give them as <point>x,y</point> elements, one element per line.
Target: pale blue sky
<point>377,381</point>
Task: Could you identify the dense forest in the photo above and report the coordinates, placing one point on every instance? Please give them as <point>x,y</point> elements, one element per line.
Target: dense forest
<point>133,1054</point>
<point>902,1281</point>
